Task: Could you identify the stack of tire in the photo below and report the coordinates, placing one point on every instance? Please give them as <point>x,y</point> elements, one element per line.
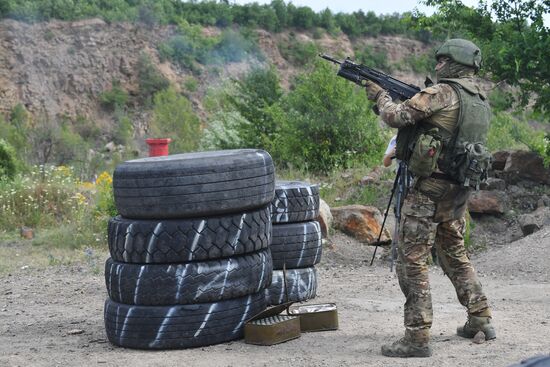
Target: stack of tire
<point>189,250</point>
<point>295,242</point>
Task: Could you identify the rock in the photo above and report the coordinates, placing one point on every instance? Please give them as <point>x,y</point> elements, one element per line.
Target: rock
<point>543,201</point>
<point>110,147</point>
<point>345,175</point>
<point>325,218</point>
<point>486,202</point>
<point>499,160</point>
<point>26,232</point>
<point>361,222</point>
<point>124,67</point>
<point>493,184</point>
<point>528,224</point>
<point>75,332</point>
<point>532,222</point>
<point>367,180</point>
<point>372,177</point>
<point>479,338</point>
<point>527,165</point>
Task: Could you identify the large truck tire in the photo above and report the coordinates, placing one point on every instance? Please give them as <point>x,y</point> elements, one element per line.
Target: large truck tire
<point>294,201</point>
<point>180,326</point>
<point>194,184</point>
<point>196,282</point>
<point>300,283</point>
<point>194,239</point>
<point>296,245</point>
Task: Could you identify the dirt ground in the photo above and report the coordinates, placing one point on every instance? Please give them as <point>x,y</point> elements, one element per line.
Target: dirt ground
<point>53,315</point>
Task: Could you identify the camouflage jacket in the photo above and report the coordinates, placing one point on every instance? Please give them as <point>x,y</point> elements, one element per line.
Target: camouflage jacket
<point>439,105</point>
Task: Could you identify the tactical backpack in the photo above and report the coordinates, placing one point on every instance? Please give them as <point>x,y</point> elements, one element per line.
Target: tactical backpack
<point>461,155</point>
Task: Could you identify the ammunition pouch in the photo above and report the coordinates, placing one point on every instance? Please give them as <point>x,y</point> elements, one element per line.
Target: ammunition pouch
<point>426,151</point>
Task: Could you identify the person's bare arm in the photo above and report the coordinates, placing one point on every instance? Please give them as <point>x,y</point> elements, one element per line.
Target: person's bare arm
<point>388,158</point>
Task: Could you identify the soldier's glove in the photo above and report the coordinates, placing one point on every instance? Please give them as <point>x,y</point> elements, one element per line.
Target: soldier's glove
<point>373,90</point>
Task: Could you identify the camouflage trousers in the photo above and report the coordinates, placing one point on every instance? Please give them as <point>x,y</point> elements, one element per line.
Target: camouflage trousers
<point>417,234</point>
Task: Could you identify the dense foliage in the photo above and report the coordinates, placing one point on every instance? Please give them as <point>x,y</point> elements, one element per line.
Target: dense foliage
<point>323,124</point>
<point>326,124</point>
<point>275,16</point>
<point>174,118</point>
<point>52,197</point>
<point>8,165</point>
<point>515,46</point>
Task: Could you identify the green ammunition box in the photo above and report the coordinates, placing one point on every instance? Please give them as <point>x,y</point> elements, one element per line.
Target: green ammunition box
<point>268,327</point>
<point>316,317</point>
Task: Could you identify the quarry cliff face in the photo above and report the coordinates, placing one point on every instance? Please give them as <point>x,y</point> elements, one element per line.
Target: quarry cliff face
<point>60,68</point>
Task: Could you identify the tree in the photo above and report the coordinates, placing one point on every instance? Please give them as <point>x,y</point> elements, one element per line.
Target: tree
<point>515,47</point>
<point>254,94</point>
<point>325,123</point>
<point>173,117</point>
<point>151,79</point>
<point>519,51</point>
<point>8,161</point>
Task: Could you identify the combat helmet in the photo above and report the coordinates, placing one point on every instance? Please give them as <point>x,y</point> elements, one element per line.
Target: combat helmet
<point>462,51</point>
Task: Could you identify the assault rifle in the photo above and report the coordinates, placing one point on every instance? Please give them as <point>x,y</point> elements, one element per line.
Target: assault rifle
<point>358,74</point>
<point>398,90</point>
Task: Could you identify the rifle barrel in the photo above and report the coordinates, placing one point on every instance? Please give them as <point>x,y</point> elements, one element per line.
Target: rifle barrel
<point>327,57</point>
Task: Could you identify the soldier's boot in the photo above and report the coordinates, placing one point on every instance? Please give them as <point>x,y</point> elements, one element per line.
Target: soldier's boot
<point>476,323</point>
<point>409,346</point>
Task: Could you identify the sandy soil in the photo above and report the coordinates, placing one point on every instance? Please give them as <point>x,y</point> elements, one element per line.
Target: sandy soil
<point>52,316</point>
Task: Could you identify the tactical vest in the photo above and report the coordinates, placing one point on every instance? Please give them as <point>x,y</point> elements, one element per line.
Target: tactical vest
<point>460,154</point>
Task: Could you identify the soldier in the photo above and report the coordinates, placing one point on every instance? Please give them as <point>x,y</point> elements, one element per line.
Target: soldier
<point>436,204</point>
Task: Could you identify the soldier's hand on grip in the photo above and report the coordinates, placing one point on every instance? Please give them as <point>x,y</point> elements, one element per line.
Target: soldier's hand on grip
<point>373,90</point>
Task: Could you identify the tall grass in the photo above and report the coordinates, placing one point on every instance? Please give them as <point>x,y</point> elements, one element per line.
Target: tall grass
<point>62,210</point>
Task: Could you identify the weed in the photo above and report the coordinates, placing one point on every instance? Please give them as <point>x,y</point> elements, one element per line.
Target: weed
<point>67,212</point>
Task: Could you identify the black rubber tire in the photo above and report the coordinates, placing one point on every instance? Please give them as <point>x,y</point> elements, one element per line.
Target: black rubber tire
<point>180,326</point>
<point>294,201</point>
<point>301,285</point>
<point>298,245</point>
<point>197,282</point>
<point>197,239</point>
<point>194,184</point>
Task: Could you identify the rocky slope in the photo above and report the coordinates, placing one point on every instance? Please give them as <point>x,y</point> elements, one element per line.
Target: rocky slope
<point>60,68</point>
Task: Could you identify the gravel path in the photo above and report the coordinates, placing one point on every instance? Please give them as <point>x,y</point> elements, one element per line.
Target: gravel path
<point>54,316</point>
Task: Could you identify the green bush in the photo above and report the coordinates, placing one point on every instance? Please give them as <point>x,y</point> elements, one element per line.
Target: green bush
<point>16,132</point>
<point>500,100</point>
<point>190,84</point>
<point>325,124</point>
<point>71,147</point>
<point>191,47</point>
<point>43,197</point>
<point>151,80</point>
<point>8,160</point>
<point>258,90</point>
<point>507,132</point>
<point>124,130</point>
<point>297,52</point>
<point>173,117</point>
<point>88,130</point>
<point>371,58</point>
<point>422,64</point>
<point>223,132</point>
<point>67,212</point>
<point>114,98</point>
<point>232,47</point>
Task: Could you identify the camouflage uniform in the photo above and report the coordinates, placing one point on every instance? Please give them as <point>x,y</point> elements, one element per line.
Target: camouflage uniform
<point>433,212</point>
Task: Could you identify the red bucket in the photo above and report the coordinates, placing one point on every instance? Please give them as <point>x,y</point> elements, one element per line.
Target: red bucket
<point>158,147</point>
